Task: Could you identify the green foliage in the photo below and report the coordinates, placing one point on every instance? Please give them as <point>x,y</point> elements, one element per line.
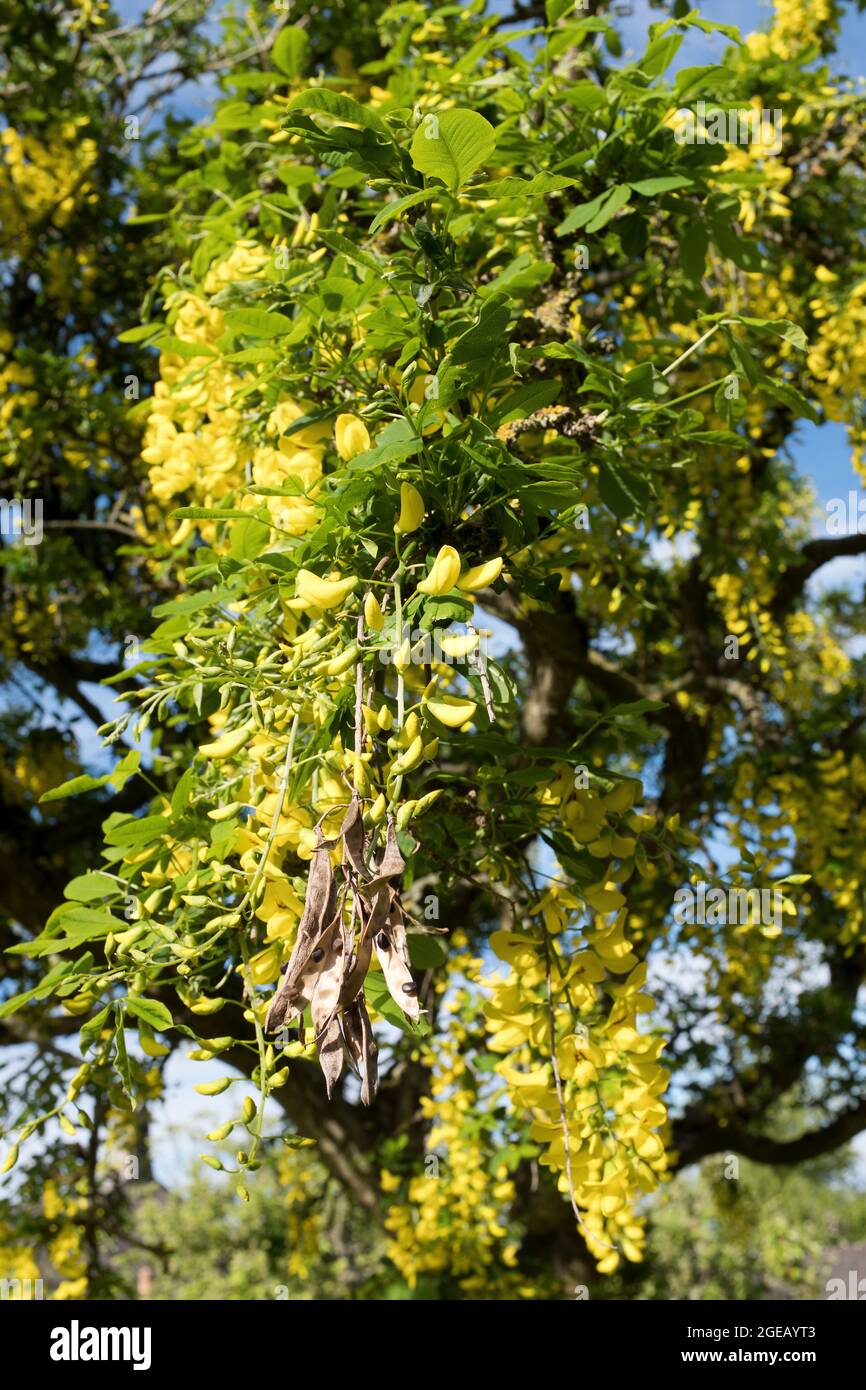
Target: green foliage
<point>769,1234</point>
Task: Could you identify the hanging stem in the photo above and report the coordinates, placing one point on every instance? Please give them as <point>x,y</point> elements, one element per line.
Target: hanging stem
<point>275,819</point>
<point>259,1120</point>
<point>401,693</point>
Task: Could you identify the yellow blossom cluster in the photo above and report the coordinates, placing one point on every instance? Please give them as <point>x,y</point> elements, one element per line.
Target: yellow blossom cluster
<point>88,14</point>
<point>66,1248</point>
<point>748,620</point>
<point>763,197</point>
<point>15,383</point>
<point>565,1020</point>
<point>797,25</point>
<point>453,1218</point>
<point>819,803</point>
<point>302,1185</point>
<point>17,1263</point>
<point>43,180</point>
<point>836,359</point>
<point>194,443</point>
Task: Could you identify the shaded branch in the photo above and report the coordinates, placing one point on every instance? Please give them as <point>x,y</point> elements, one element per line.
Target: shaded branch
<point>813,555</point>
<point>698,1138</point>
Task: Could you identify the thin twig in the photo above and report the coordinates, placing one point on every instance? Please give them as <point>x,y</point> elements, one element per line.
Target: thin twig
<point>481,671</point>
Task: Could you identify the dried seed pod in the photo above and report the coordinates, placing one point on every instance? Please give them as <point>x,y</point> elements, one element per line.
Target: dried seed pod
<point>352,832</point>
<point>394,960</point>
<point>319,908</point>
<point>327,983</point>
<point>361,1046</point>
<point>354,980</point>
<point>331,1055</point>
<point>327,967</point>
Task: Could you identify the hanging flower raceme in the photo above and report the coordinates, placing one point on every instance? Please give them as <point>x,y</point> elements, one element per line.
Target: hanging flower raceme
<point>564,1021</point>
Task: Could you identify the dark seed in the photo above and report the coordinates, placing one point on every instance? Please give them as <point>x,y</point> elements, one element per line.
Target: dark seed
<point>382,942</point>
<point>410,989</point>
<point>318,954</point>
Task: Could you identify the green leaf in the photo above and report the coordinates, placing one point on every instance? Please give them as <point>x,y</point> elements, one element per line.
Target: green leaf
<point>202,598</point>
<point>709,26</point>
<point>393,210</point>
<point>395,452</point>
<point>203,514</point>
<point>690,81</point>
<point>442,609</point>
<point>291,50</point>
<point>660,54</point>
<point>694,244</point>
<point>45,987</point>
<point>87,887</point>
<point>376,991</point>
<point>141,333</point>
<point>598,212</point>
<point>619,195</point>
<point>481,341</point>
<point>451,145</point>
<point>555,9</point>
<point>780,328</point>
<point>344,247</point>
<point>791,397</point>
<point>520,276</point>
<point>341,107</point>
<point>742,250</point>
<point>634,708</point>
<point>181,348</point>
<point>126,768</point>
<point>85,783</point>
<point>248,538</point>
<point>538,187</point>
<point>182,792</point>
<point>150,1011</point>
<point>258,323</point>
<point>75,787</point>
<point>121,1057</point>
<point>724,437</point>
<point>84,923</point>
<point>622,490</point>
<point>136,830</point>
<point>665,183</point>
<point>426,952</point>
<point>139,219</point>
<point>89,1032</point>
<point>525,400</point>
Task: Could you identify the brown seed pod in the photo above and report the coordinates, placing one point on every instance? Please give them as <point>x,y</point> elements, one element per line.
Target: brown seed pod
<point>328,965</point>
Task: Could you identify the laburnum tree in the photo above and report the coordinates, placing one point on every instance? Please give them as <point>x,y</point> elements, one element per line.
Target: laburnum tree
<point>476,627</point>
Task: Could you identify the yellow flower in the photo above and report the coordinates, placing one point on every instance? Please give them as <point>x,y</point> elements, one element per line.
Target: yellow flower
<point>411,509</point>
<point>444,573</point>
<point>351,437</point>
<point>373,613</point>
<point>480,576</point>
<point>322,593</point>
<point>451,711</point>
